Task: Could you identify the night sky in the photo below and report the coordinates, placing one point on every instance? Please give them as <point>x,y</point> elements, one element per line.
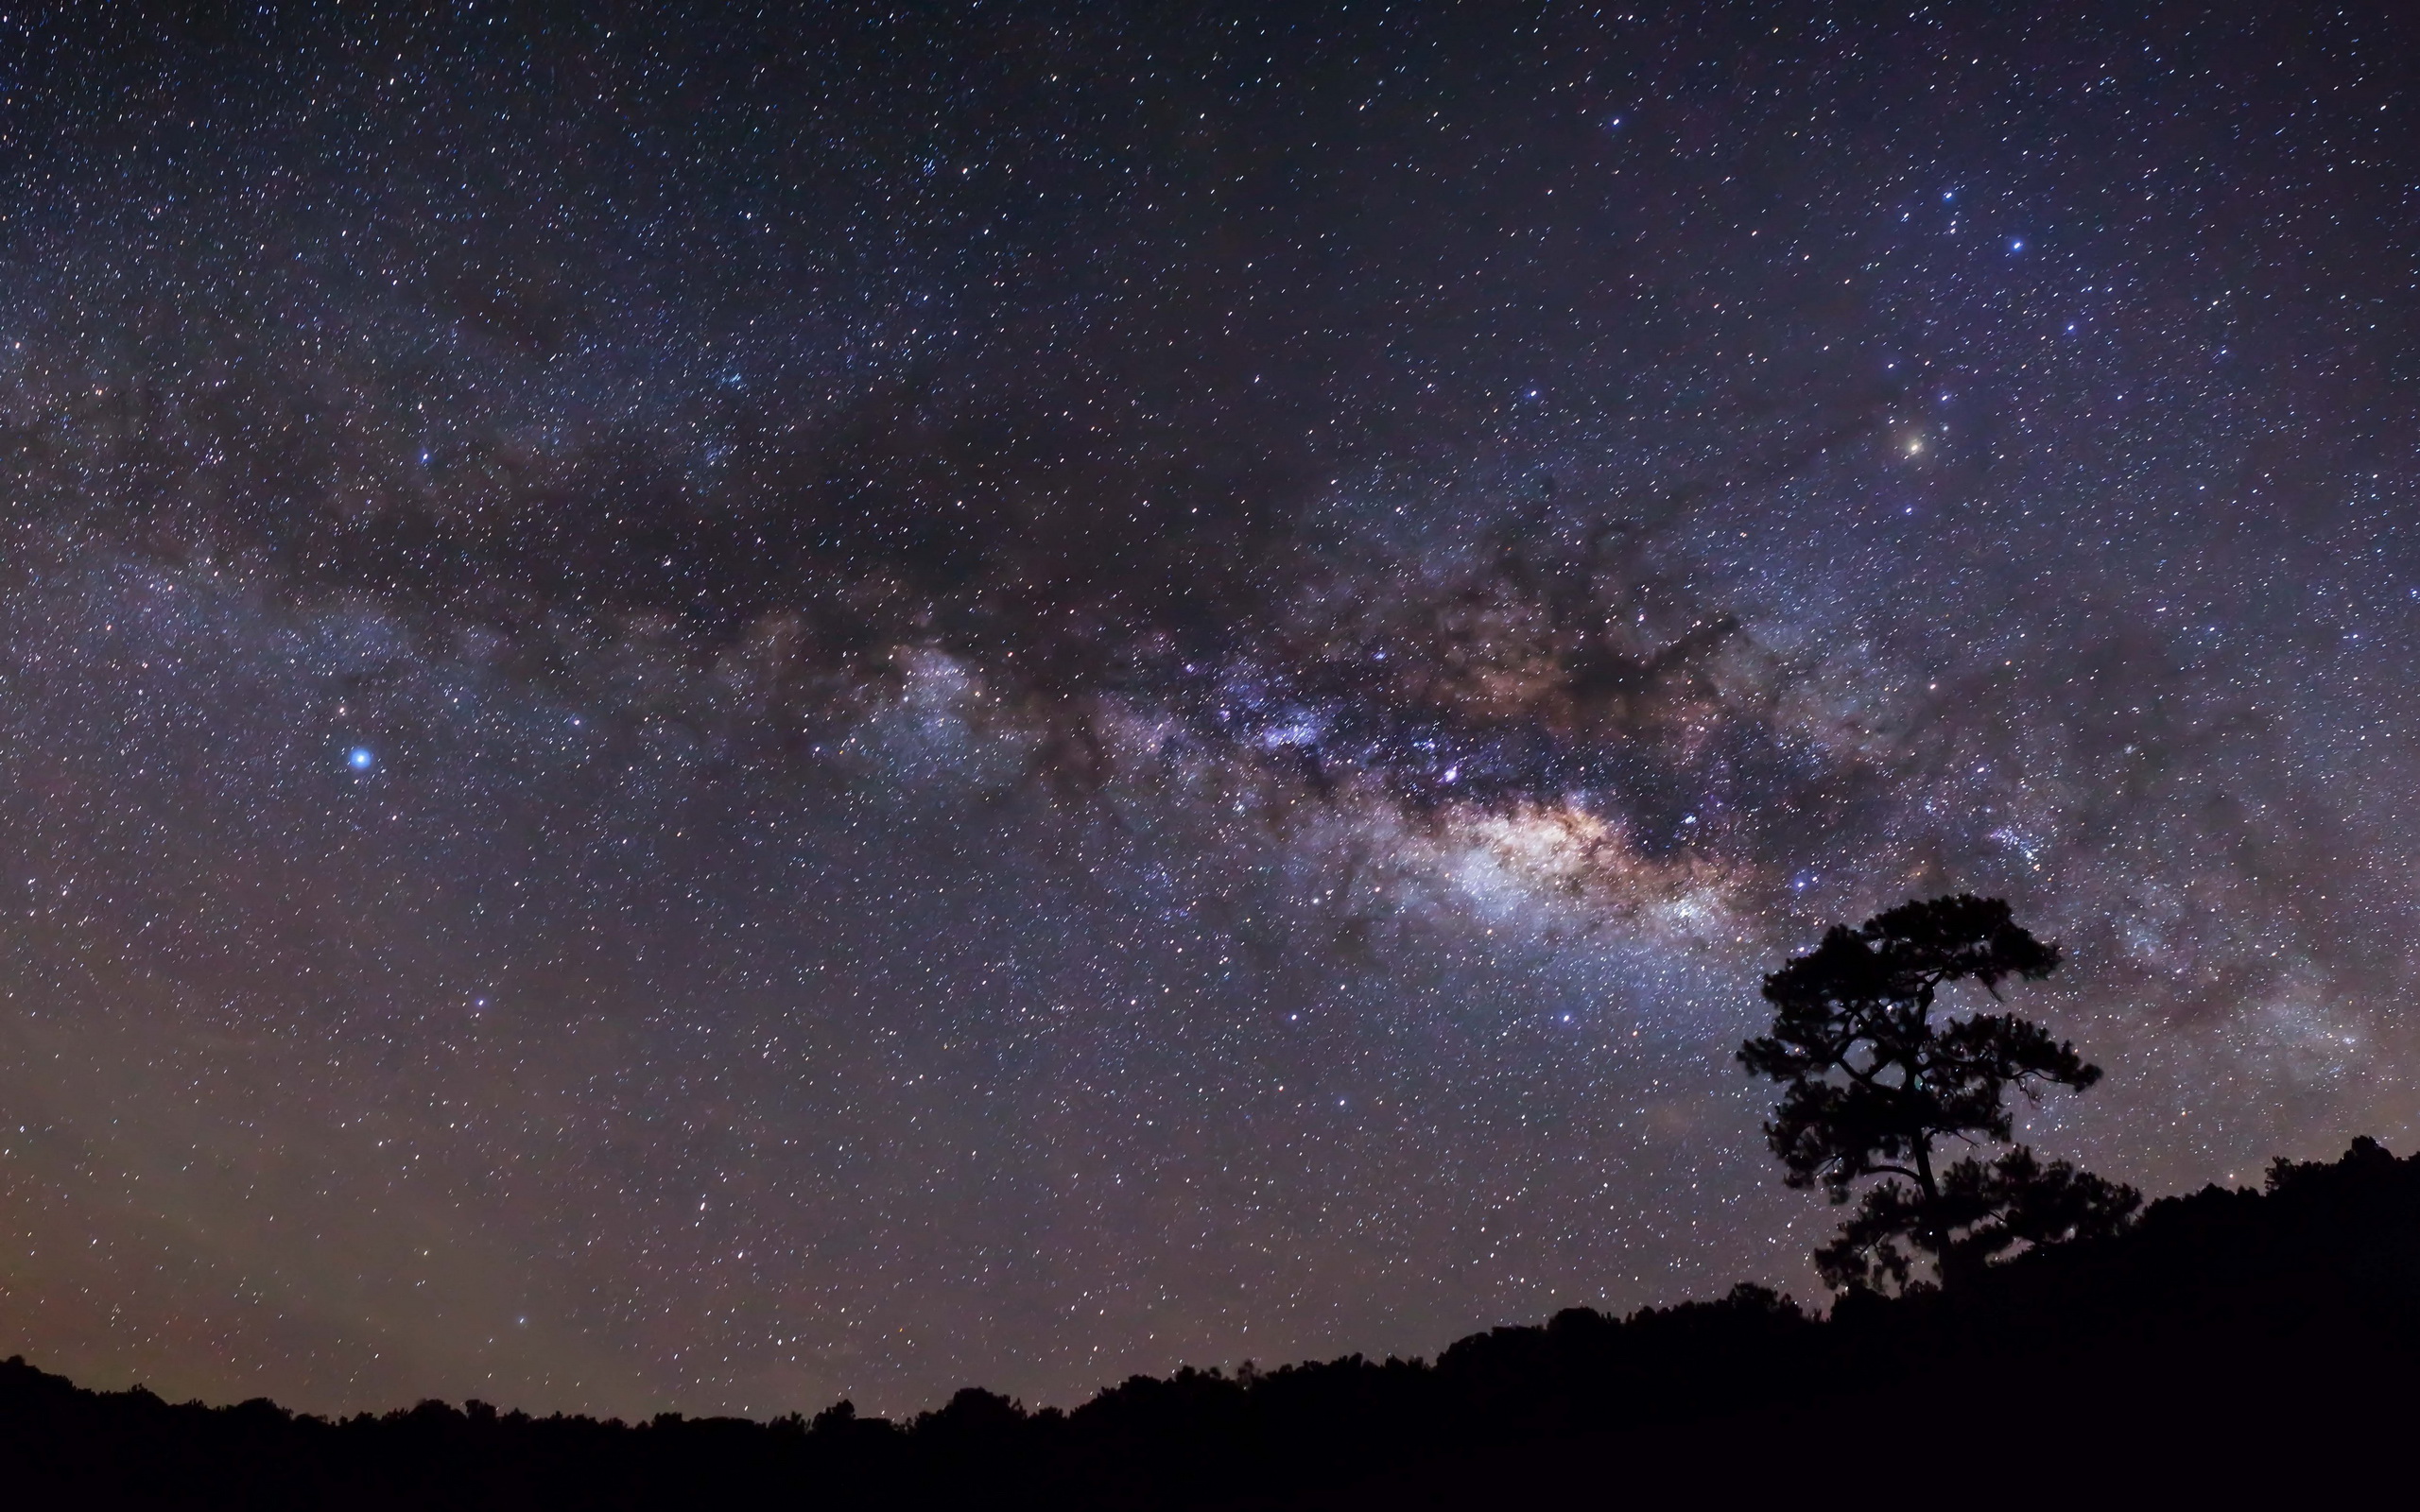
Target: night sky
<point>708,714</point>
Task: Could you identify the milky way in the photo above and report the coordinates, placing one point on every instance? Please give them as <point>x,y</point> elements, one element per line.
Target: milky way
<point>703,716</point>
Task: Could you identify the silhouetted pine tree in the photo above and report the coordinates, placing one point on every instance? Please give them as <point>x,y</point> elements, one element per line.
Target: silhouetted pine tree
<point>1876,1086</point>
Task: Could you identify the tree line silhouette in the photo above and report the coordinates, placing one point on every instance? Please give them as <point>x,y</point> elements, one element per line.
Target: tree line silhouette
<point>2003,1331</point>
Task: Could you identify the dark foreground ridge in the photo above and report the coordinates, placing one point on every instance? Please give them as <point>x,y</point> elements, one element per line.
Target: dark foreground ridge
<point>2229,1338</point>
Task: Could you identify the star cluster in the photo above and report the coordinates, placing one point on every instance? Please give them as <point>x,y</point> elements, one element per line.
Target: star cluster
<point>710,712</point>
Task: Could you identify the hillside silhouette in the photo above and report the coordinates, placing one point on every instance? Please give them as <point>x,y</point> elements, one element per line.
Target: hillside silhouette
<point>2226,1340</point>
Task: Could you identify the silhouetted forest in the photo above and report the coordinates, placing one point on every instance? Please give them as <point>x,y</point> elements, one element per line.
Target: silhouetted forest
<point>2224,1338</point>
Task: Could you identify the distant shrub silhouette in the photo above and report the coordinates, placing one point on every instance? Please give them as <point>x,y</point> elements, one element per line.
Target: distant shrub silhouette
<point>1874,1087</point>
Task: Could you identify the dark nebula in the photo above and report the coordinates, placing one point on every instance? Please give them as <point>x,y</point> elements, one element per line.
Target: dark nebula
<point>706,713</point>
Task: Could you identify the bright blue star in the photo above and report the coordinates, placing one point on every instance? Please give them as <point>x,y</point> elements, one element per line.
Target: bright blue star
<point>360,759</point>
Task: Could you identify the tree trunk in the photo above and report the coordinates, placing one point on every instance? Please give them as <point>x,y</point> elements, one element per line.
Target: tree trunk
<point>1935,1234</point>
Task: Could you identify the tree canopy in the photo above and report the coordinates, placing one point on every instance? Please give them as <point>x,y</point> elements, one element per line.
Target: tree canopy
<point>1873,1087</point>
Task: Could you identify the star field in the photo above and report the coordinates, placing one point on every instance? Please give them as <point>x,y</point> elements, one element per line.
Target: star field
<point>706,714</point>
